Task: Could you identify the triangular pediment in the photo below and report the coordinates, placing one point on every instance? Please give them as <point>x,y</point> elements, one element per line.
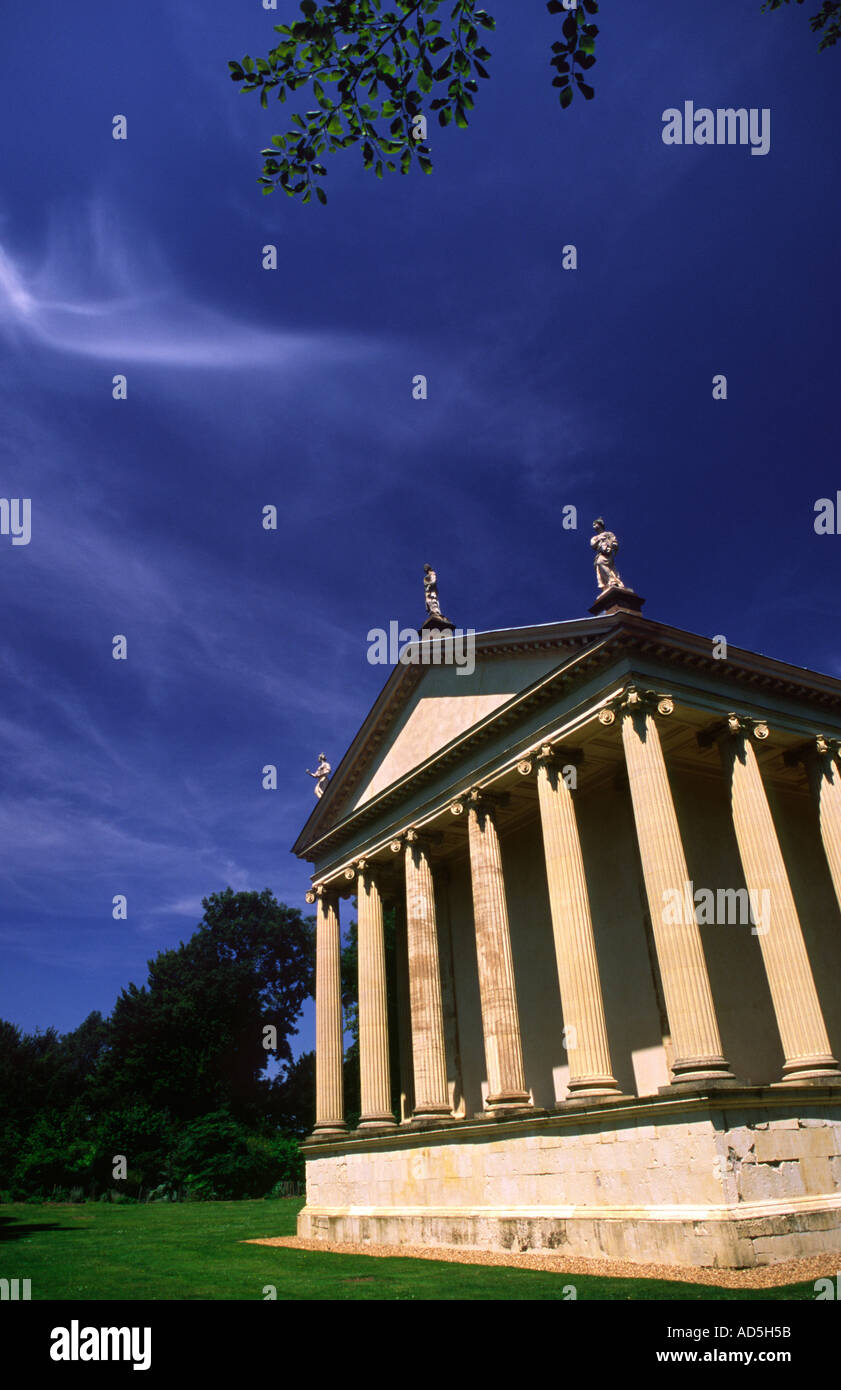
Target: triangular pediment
<point>447,702</point>
<point>423,708</point>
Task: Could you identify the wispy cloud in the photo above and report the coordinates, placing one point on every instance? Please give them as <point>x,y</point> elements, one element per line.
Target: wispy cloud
<point>103,290</point>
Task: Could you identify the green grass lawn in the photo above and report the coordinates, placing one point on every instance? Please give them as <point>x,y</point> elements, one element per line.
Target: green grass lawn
<point>194,1251</point>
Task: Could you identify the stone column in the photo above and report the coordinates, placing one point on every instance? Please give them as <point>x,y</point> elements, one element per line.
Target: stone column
<point>427,1015</point>
<point>590,1067</point>
<point>497,989</point>
<point>375,1078</point>
<point>808,1057</point>
<point>404,1017</point>
<point>820,759</point>
<point>448,998</point>
<point>329,1095</point>
<point>698,1054</point>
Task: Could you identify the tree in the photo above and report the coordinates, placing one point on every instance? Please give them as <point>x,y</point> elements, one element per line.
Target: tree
<point>192,1040</point>
<point>395,66</point>
<point>292,1102</point>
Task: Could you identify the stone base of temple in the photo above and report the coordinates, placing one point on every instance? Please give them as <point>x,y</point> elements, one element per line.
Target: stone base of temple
<point>728,1180</point>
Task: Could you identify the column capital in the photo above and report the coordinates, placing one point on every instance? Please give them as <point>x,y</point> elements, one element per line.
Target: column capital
<point>477,799</point>
<point>733,726</point>
<point>546,755</point>
<point>423,839</point>
<point>359,866</point>
<point>634,700</point>
<point>374,871</point>
<point>815,749</point>
<point>322,892</point>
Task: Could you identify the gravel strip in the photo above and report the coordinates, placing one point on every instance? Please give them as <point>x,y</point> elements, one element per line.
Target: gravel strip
<point>766,1277</point>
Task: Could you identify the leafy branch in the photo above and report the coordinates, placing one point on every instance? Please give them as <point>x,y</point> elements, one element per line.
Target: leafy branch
<point>366,66</point>
<point>827,19</point>
<point>576,52</point>
<point>370,68</point>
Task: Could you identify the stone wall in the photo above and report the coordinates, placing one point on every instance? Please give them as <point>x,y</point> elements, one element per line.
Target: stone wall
<point>751,1181</point>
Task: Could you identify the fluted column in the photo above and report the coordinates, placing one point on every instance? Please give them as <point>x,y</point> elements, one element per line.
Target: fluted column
<point>497,989</point>
<point>590,1067</point>
<point>820,759</point>
<point>798,1012</point>
<point>698,1054</point>
<point>427,1015</point>
<point>404,1017</point>
<point>375,1077</point>
<point>329,1095</point>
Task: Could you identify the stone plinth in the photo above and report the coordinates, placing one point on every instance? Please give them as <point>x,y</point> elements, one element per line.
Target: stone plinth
<point>617,599</point>
<point>736,1179</point>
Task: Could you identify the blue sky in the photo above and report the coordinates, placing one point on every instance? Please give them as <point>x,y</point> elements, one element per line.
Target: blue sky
<point>248,387</point>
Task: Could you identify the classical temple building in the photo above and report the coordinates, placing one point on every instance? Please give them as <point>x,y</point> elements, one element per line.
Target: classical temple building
<point>615,856</point>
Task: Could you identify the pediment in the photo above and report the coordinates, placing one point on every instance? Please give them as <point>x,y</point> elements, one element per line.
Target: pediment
<point>423,715</point>
<point>445,704</point>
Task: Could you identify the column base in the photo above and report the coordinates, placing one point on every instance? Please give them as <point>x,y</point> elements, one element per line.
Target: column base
<point>382,1122</point>
<point>686,1085</point>
<point>432,1112</point>
<point>445,1120</point>
<point>509,1100</point>
<point>593,1086</point>
<point>326,1129</point>
<point>585,1101</point>
<point>704,1071</point>
<point>811,1071</point>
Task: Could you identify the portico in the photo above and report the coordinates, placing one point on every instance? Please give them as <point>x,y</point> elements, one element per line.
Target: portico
<point>531,823</point>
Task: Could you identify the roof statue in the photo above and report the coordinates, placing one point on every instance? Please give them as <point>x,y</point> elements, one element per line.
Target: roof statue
<point>605,545</point>
<point>435,619</point>
<point>613,594</point>
<point>321,774</point>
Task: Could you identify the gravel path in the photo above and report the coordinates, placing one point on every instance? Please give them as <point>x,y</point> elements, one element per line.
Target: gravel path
<point>767,1277</point>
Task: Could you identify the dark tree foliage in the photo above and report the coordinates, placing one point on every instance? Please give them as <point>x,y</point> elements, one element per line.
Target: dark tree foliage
<point>175,1073</point>
<point>292,1102</point>
<point>378,77</point>
<point>192,1040</point>
<point>827,21</point>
